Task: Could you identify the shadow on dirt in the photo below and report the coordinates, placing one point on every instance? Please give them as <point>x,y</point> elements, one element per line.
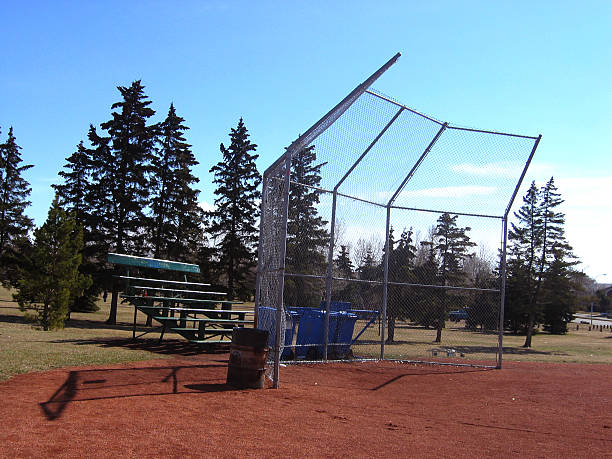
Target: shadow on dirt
<point>103,384</point>
<point>432,372</point>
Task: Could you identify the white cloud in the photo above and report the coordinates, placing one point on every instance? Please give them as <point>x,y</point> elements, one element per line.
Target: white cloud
<point>489,170</point>
<point>504,169</point>
<point>206,207</point>
<point>450,192</point>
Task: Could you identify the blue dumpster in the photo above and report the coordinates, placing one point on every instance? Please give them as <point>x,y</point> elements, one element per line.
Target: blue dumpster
<point>266,320</point>
<point>310,336</point>
<point>336,305</point>
<point>344,334</point>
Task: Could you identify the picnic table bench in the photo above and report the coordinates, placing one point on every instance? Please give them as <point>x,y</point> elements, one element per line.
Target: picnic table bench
<point>171,302</point>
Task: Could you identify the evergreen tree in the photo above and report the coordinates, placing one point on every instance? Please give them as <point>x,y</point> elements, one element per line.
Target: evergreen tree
<point>452,244</point>
<point>123,171</point>
<point>307,237</point>
<point>401,266</point>
<point>74,197</point>
<point>233,221</point>
<point>558,294</point>
<point>14,224</point>
<point>176,217</point>
<point>52,277</point>
<point>537,241</point>
<point>72,192</point>
<point>343,267</point>
<point>369,269</point>
<point>425,302</point>
<point>344,264</point>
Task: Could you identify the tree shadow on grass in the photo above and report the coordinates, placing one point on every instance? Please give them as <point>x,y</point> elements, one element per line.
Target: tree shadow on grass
<point>11,317</point>
<point>103,384</point>
<point>176,347</point>
<point>460,350</point>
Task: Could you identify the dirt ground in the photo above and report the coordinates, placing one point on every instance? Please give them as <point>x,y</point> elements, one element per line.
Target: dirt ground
<point>182,408</point>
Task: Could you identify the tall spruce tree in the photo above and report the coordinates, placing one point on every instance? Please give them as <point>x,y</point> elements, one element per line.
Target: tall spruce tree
<point>537,242</point>
<point>452,244</point>
<point>14,224</point>
<point>233,222</point>
<point>72,192</point>
<point>124,175</point>
<point>401,267</point>
<point>307,237</point>
<point>74,197</point>
<point>176,218</point>
<point>52,276</point>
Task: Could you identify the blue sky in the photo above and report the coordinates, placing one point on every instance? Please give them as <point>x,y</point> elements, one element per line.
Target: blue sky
<point>525,67</point>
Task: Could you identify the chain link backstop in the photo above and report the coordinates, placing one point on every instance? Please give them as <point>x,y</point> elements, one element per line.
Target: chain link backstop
<point>383,236</point>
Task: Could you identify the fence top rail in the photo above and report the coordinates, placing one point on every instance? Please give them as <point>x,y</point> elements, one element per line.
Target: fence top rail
<point>201,292</point>
<point>162,281</point>
<point>144,262</point>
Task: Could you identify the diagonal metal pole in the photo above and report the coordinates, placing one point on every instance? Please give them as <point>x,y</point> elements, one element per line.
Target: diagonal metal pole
<point>385,298</point>
<point>330,254</point>
<point>503,263</point>
<point>417,164</point>
<point>260,244</point>
<point>280,309</point>
<point>326,121</point>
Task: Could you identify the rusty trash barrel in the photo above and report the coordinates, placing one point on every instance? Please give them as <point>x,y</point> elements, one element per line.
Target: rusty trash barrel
<point>246,368</point>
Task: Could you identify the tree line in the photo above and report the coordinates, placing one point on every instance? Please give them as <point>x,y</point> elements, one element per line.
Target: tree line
<point>130,188</point>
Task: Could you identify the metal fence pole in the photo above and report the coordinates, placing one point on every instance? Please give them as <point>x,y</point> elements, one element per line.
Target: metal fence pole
<point>328,287</point>
<point>502,301</point>
<point>279,305</point>
<point>328,292</point>
<point>383,327</point>
<point>260,248</point>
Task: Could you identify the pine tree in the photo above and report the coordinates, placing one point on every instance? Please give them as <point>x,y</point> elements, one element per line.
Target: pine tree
<point>344,268</point>
<point>307,237</point>
<point>344,264</point>
<point>536,242</point>
<point>424,302</point>
<point>452,244</point>
<point>74,197</point>
<point>52,278</point>
<point>123,175</point>
<point>401,266</point>
<point>233,222</point>
<point>72,192</point>
<point>176,218</point>
<point>14,224</point>
<point>558,294</point>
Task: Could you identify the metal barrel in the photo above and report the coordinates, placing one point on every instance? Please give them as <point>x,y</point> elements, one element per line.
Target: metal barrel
<point>246,368</point>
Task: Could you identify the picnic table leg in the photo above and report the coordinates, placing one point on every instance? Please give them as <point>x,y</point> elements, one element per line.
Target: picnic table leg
<point>201,329</point>
<point>161,336</point>
<point>134,327</point>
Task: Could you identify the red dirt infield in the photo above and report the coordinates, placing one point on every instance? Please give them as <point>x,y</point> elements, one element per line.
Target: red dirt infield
<point>182,408</point>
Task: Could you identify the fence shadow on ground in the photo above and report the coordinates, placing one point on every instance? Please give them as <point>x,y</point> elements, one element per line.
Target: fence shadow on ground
<point>103,384</point>
<point>430,372</point>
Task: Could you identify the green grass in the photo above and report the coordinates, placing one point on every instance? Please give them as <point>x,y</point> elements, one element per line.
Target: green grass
<point>580,346</point>
<point>87,340</point>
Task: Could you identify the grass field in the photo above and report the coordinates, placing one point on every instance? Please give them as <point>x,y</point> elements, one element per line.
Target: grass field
<point>87,340</point>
